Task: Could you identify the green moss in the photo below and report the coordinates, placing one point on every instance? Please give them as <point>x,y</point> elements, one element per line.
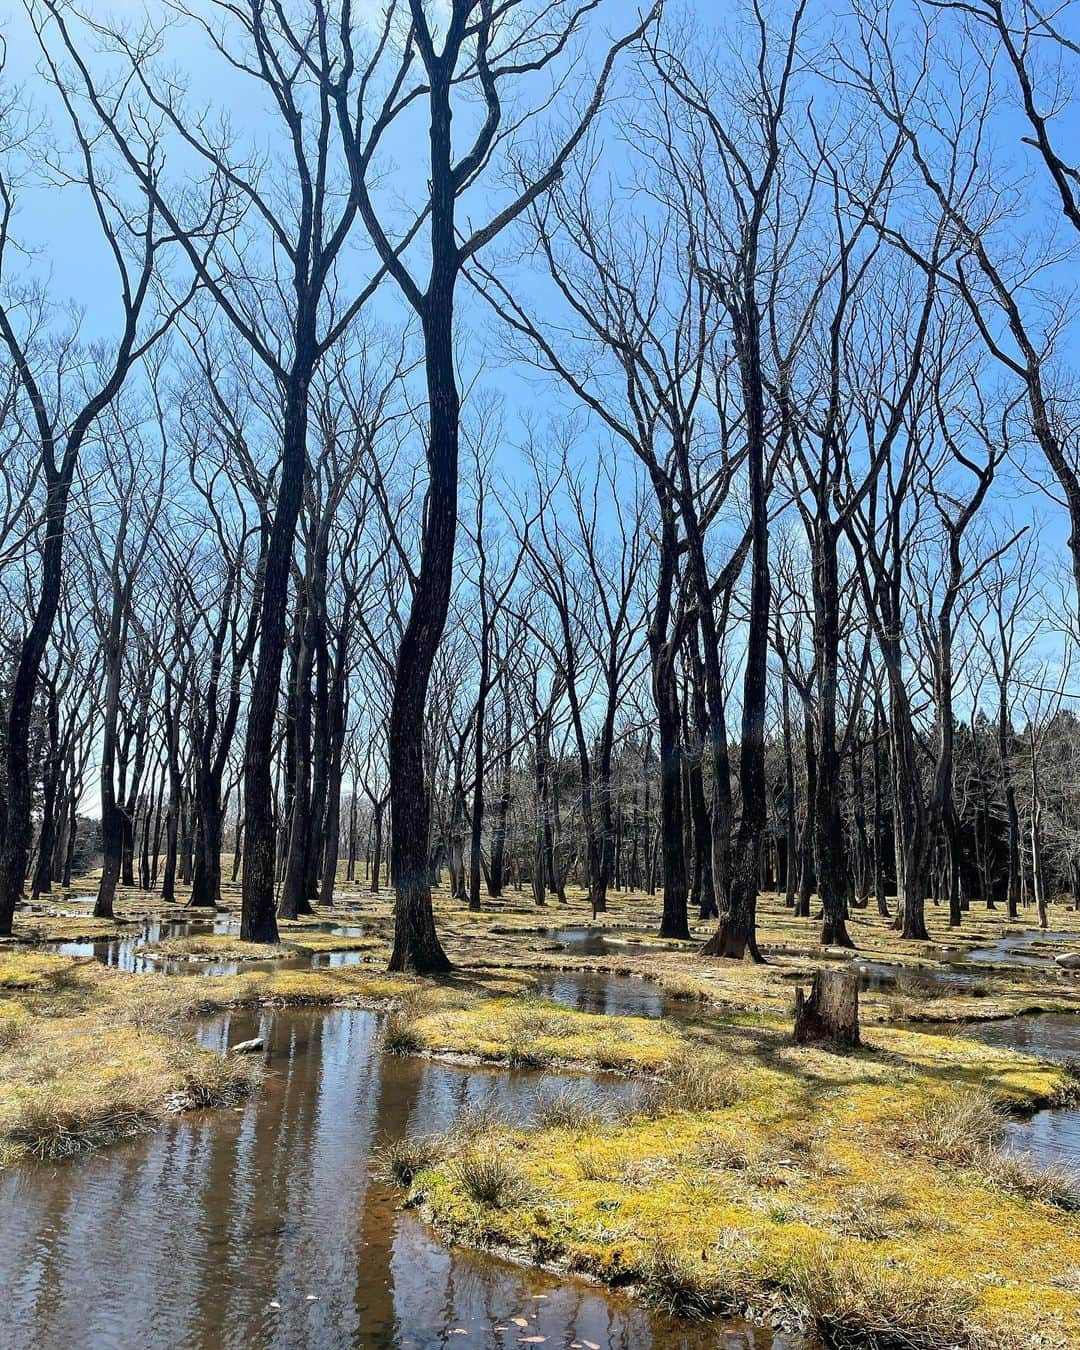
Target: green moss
<point>766,1177</point>
<point>798,1190</point>
<point>533,1032</point>
<point>90,1054</point>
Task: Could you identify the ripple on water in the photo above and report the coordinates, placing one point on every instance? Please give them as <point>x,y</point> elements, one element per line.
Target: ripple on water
<point>1049,1035</point>
<point>589,941</point>
<point>1050,1138</point>
<point>1016,949</point>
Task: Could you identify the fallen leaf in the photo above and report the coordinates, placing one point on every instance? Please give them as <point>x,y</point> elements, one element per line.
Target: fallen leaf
<point>531,1340</point>
<point>521,1322</point>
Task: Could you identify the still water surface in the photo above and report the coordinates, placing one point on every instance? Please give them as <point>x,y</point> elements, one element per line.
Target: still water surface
<point>262,1227</point>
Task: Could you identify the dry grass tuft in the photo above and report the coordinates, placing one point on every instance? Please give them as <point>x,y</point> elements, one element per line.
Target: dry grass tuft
<point>674,1282</point>
<point>491,1179</point>
<point>477,1120</point>
<point>592,1166</point>
<point>49,1129</point>
<point>714,1281</point>
<point>401,1035</point>
<point>522,1054</point>
<point>695,1080</point>
<point>396,1162</point>
<point>572,1107</point>
<point>957,1128</point>
<point>920,986</point>
<point>1021,1175</point>
<point>855,1305</point>
<point>873,1214</point>
<point>212,1081</point>
<point>684,989</point>
<point>12,1030</point>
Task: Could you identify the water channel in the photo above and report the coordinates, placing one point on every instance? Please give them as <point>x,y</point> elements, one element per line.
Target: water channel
<point>263,1226</point>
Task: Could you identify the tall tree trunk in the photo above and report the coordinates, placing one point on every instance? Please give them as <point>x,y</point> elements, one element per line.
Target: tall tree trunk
<point>830,870</point>
<point>294,890</point>
<point>497,874</point>
<point>790,853</point>
<point>17,821</point>
<point>1012,895</point>
<point>416,943</point>
<point>257,919</point>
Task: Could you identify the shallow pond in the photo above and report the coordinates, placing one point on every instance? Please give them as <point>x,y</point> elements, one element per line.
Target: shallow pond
<point>589,942</point>
<point>596,942</point>
<point>882,976</point>
<point>1051,1136</point>
<point>124,953</point>
<point>595,992</point>
<point>127,953</point>
<point>263,1227</point>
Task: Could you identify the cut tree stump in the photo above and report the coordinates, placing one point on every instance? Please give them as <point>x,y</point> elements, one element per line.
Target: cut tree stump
<point>831,1013</point>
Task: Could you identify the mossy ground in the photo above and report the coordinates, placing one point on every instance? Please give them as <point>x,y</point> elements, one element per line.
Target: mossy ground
<point>810,1181</point>
<point>803,1192</point>
<point>535,1033</point>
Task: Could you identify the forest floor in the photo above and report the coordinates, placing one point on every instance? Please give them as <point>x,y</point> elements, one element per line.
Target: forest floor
<point>864,1193</point>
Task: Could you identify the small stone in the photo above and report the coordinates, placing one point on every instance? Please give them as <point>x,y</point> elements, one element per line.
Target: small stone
<point>251,1047</point>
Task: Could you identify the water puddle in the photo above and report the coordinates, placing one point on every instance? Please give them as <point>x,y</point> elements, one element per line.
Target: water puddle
<point>1017,950</point>
<point>887,977</point>
<point>123,952</point>
<point>333,959</point>
<point>593,992</point>
<point>589,942</point>
<point>1051,1136</point>
<point>129,954</point>
<point>263,1226</point>
<point>1049,1035</point>
<point>875,976</point>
